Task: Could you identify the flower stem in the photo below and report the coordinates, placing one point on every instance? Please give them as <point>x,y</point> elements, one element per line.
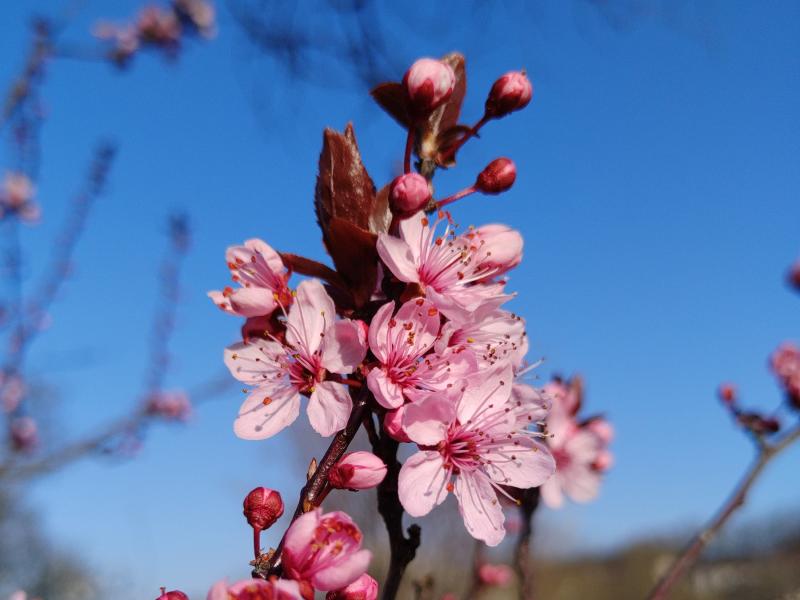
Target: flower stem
<point>450,153</point>
<point>736,500</point>
<point>409,148</point>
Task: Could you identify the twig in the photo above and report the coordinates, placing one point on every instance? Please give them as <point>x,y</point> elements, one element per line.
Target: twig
<point>316,488</point>
<point>402,548</point>
<point>529,502</point>
<point>687,558</point>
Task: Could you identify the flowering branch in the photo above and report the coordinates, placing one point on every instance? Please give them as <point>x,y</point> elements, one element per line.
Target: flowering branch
<point>766,451</point>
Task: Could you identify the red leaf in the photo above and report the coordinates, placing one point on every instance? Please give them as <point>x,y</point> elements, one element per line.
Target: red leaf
<point>391,97</point>
<point>353,252</point>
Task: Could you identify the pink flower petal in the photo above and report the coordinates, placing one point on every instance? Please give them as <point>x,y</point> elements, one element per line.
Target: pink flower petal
<point>310,316</point>
<point>377,331</point>
<point>477,501</point>
<point>343,572</point>
<point>259,419</point>
<point>426,422</point>
<point>387,393</point>
<point>422,483</point>
<point>345,347</point>
<point>397,255</point>
<point>329,407</point>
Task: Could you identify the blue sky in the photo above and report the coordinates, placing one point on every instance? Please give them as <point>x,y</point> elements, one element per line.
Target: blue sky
<point>658,196</point>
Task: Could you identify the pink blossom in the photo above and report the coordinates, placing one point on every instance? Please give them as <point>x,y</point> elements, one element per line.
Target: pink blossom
<point>785,363</point>
<point>198,13</point>
<point>24,434</point>
<point>493,335</point>
<point>17,196</point>
<point>429,83</point>
<point>172,406</point>
<point>576,449</point>
<point>450,269</point>
<point>512,92</point>
<point>172,595</point>
<point>12,390</point>
<point>401,343</point>
<point>363,588</point>
<point>472,447</point>
<point>255,589</point>
<point>357,471</point>
<point>280,372</point>
<point>262,278</point>
<point>324,550</point>
<point>157,26</point>
<point>495,575</point>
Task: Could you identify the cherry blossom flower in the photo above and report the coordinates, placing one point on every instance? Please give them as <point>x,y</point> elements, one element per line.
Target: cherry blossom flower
<point>324,550</point>
<point>16,197</point>
<point>501,247</point>
<point>357,471</point>
<point>363,588</point>
<point>472,447</point>
<point>450,269</point>
<point>24,434</point>
<point>279,373</point>
<point>580,450</point>
<point>785,363</point>
<point>401,343</point>
<point>262,277</point>
<point>199,14</point>
<point>255,589</point>
<point>172,406</point>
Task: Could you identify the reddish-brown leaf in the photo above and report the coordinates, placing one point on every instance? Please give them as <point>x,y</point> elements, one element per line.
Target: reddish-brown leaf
<point>312,268</point>
<point>446,116</point>
<point>355,256</point>
<point>344,188</point>
<point>391,97</point>
<point>381,217</point>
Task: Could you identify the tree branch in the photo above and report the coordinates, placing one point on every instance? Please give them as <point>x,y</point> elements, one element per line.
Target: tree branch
<point>735,501</point>
<point>403,549</point>
<point>529,502</point>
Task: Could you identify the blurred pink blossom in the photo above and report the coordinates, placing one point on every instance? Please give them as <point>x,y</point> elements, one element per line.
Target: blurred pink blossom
<point>495,575</point>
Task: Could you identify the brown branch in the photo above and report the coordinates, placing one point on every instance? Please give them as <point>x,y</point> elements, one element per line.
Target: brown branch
<point>402,548</point>
<point>736,500</point>
<point>316,488</point>
<point>529,502</point>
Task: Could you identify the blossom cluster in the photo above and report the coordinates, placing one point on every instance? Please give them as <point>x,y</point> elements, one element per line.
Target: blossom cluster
<point>412,324</point>
<point>159,28</point>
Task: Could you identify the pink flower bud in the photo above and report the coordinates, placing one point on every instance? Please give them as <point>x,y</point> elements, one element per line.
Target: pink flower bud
<point>262,507</point>
<point>172,406</point>
<point>495,575</point>
<point>357,471</point>
<point>24,434</point>
<point>604,461</point>
<point>409,194</point>
<point>498,176</point>
<point>363,588</point>
<point>429,83</point>
<point>511,92</point>
<point>173,595</point>
<point>393,425</point>
<point>727,394</point>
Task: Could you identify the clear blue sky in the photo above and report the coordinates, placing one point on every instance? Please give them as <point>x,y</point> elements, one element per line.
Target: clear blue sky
<point>657,193</point>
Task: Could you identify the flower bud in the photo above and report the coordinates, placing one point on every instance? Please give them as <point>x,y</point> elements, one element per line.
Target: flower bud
<point>24,434</point>
<point>603,462</point>
<point>429,83</point>
<point>393,425</point>
<point>173,595</point>
<point>409,194</point>
<point>363,588</point>
<point>357,471</point>
<point>494,575</point>
<point>727,394</point>
<point>262,507</point>
<point>497,177</point>
<point>511,92</point>
<point>602,429</point>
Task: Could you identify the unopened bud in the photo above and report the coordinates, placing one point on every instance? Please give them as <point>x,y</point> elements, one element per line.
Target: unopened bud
<point>357,471</point>
<point>173,595</point>
<point>393,425</point>
<point>409,194</point>
<point>727,394</point>
<point>262,507</point>
<point>498,176</point>
<point>603,462</point>
<point>513,91</point>
<point>363,588</point>
<point>429,83</point>
<point>495,575</point>
<point>758,424</point>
